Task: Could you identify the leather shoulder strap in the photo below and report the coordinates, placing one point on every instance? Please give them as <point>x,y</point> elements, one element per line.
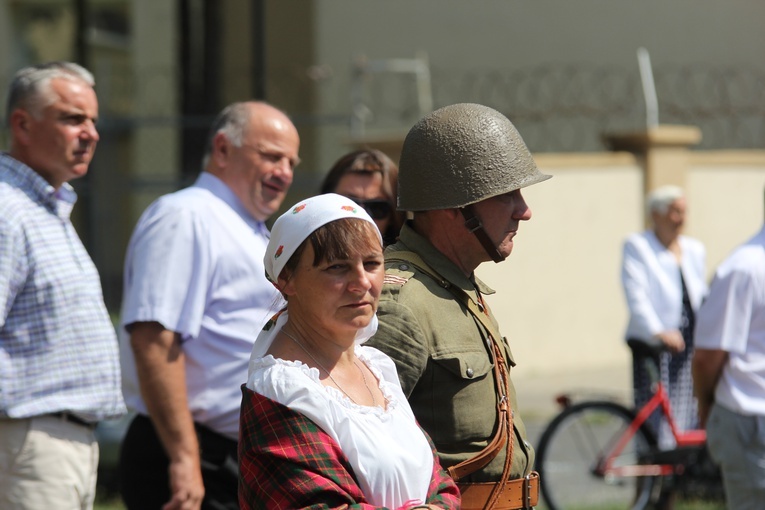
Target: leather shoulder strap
<point>504,414</point>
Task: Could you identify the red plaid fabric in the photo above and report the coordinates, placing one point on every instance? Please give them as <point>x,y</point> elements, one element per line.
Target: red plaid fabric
<point>287,462</point>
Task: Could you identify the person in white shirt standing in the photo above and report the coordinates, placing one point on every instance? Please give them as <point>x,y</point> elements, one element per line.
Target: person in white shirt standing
<point>729,372</point>
<point>195,297</point>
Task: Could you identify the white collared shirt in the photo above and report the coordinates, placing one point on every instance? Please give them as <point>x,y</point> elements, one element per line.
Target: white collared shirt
<point>195,265</point>
<point>732,319</point>
<point>58,350</point>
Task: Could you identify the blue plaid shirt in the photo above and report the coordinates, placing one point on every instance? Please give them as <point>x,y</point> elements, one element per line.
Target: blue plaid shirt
<point>58,349</point>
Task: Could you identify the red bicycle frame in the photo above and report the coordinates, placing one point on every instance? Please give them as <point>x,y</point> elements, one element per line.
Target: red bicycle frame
<point>690,438</point>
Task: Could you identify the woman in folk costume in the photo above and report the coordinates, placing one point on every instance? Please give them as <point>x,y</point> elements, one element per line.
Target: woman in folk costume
<point>324,421</point>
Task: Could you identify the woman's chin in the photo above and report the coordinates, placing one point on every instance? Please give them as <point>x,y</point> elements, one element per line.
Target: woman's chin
<point>360,321</point>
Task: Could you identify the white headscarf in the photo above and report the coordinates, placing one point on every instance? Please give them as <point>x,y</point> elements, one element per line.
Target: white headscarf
<point>300,221</point>
<point>289,231</point>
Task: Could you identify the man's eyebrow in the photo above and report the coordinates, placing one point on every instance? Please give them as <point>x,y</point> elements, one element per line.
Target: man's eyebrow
<point>76,113</point>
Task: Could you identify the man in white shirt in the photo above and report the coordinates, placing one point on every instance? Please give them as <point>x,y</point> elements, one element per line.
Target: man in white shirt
<point>195,298</point>
<point>729,372</point>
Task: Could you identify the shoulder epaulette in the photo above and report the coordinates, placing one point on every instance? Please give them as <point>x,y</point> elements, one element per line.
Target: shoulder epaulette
<point>397,272</point>
<point>392,279</point>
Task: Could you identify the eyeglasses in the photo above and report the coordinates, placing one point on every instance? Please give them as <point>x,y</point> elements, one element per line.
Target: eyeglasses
<point>377,208</point>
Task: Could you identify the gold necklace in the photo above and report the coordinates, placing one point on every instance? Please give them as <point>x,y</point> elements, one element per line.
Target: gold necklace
<point>355,362</point>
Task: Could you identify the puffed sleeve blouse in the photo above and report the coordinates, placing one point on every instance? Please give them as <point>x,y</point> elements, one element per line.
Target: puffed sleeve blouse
<point>389,453</point>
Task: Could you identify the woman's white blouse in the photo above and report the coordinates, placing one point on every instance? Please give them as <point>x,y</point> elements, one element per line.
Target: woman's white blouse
<point>651,280</point>
<point>389,453</point>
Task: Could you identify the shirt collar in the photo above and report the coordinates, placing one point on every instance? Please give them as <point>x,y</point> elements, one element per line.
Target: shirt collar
<point>220,189</point>
<point>60,201</point>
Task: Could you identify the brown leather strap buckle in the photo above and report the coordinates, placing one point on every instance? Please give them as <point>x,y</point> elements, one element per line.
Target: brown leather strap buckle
<point>527,491</point>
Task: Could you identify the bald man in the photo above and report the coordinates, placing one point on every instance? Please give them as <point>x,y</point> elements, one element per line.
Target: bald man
<point>195,296</point>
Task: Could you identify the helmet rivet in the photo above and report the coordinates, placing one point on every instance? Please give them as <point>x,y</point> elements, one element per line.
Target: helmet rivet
<point>404,267</point>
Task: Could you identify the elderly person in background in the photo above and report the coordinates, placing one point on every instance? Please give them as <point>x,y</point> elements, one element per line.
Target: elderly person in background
<point>664,283</point>
<point>369,178</point>
<point>324,421</point>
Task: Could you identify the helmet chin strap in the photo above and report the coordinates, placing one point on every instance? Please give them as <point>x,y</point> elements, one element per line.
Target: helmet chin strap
<point>473,224</point>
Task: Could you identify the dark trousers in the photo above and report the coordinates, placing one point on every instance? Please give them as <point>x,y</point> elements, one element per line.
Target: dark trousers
<point>144,479</point>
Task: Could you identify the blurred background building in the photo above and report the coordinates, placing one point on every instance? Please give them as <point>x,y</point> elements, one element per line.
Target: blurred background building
<point>361,72</point>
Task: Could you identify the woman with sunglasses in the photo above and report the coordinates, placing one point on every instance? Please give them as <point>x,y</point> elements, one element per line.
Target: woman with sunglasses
<point>369,178</point>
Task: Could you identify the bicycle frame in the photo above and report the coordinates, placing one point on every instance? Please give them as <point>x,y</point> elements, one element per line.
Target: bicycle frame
<point>690,438</point>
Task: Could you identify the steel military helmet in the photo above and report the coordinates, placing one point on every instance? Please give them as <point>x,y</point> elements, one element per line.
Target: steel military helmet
<point>461,154</point>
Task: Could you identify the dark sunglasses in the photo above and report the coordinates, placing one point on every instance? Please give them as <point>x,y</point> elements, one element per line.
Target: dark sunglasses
<point>377,208</point>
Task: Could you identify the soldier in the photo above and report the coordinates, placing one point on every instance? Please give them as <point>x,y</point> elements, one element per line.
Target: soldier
<point>461,171</point>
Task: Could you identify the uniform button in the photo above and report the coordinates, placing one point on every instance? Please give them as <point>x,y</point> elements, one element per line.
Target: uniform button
<point>403,267</point>
<point>469,372</point>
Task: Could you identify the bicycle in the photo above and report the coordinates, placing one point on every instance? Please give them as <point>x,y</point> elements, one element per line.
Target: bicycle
<point>601,454</point>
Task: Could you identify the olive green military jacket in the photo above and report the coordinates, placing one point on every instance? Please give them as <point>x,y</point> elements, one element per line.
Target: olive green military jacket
<point>441,355</point>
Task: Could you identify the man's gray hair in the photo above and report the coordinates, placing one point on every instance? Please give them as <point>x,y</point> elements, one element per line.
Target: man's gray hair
<point>659,200</point>
<point>232,122</point>
<point>30,87</point>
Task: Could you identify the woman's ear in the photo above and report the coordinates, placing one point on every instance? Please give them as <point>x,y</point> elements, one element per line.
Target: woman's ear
<point>284,284</point>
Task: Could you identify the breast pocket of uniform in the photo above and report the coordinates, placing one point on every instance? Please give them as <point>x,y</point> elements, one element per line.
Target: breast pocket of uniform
<point>464,387</point>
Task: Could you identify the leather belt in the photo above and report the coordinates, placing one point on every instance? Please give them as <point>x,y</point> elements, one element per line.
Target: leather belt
<point>516,494</point>
<point>64,416</point>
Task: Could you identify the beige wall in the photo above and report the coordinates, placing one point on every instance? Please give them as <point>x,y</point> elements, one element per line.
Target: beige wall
<point>569,313</point>
<point>559,297</point>
<point>725,201</point>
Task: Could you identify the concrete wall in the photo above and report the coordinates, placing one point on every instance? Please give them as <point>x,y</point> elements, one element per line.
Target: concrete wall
<point>725,191</point>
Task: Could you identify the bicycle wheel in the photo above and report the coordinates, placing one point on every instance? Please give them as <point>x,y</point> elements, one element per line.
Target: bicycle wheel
<point>570,449</point>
